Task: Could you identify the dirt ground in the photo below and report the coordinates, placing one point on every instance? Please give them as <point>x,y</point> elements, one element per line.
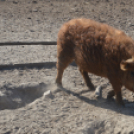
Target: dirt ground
<point>28,101</point>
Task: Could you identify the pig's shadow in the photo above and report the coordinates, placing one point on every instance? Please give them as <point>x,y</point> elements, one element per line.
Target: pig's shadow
<point>107,104</point>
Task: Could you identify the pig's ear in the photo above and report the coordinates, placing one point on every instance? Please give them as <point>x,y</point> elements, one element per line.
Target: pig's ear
<point>126,65</point>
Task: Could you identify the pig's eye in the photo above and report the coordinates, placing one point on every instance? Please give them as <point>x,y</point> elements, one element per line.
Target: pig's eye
<point>132,73</point>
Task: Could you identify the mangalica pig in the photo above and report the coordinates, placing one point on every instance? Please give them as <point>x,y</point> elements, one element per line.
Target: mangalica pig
<point>98,49</point>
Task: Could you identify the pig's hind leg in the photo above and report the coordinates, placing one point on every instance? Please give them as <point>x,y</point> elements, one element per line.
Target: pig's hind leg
<point>87,80</point>
<point>65,57</point>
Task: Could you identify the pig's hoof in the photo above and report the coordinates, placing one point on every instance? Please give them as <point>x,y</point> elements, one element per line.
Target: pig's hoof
<point>109,97</point>
<point>57,88</point>
<point>121,104</point>
<point>92,88</point>
<point>59,85</point>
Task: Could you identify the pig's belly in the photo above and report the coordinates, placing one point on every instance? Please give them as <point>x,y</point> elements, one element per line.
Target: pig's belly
<point>91,65</point>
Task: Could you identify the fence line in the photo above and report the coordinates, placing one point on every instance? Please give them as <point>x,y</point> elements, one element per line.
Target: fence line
<point>28,43</point>
<point>27,65</point>
<point>31,65</point>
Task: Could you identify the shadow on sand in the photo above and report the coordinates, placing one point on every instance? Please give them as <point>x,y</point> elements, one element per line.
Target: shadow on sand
<point>20,96</point>
<point>104,103</point>
<point>17,97</point>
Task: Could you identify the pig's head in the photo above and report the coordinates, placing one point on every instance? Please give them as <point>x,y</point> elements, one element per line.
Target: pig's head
<point>127,66</point>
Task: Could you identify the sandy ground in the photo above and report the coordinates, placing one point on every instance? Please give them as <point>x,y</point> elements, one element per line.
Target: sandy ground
<point>26,104</point>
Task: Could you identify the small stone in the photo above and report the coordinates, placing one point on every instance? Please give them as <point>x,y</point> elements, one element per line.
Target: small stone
<point>15,2</point>
<point>98,92</point>
<point>47,93</point>
<point>35,2</point>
